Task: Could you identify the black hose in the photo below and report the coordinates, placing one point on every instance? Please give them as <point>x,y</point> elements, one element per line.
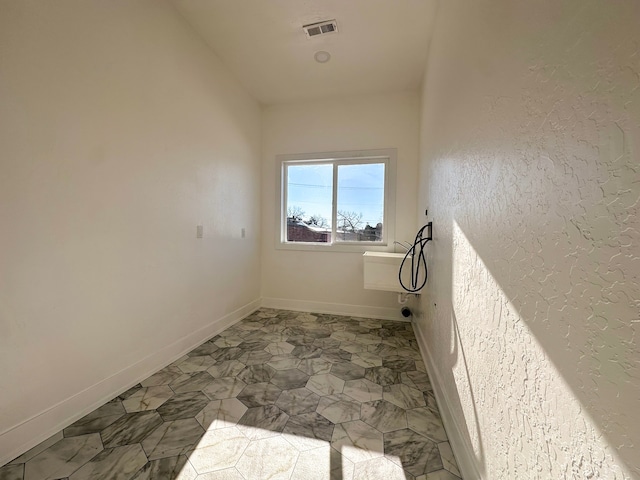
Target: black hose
<point>418,261</point>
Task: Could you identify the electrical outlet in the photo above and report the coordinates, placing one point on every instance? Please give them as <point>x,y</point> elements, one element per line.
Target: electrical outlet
<point>199,231</point>
<point>243,233</point>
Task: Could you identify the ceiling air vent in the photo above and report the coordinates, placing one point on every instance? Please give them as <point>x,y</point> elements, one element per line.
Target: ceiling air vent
<point>320,28</point>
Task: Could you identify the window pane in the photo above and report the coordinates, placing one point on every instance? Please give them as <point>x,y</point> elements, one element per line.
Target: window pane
<point>309,197</point>
<point>360,202</point>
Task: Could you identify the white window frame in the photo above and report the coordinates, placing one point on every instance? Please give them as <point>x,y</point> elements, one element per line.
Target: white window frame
<point>387,156</point>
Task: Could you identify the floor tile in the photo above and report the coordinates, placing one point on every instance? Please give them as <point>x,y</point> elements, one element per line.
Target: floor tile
<point>341,467</point>
<point>227,474</point>
<point>347,371</point>
<point>148,398</point>
<point>420,366</point>
<point>130,428</point>
<point>224,354</point>
<point>288,379</point>
<point>255,357</point>
<point>207,348</point>
<point>297,334</point>
<point>380,467</point>
<point>418,380</point>
<point>97,420</point>
<point>314,464</point>
<point>352,347</point>
<point>322,463</point>
<point>168,468</point>
<point>29,454</point>
<point>382,350</point>
<point>191,382</point>
<point>178,360</point>
<point>403,396</point>
<point>304,351</point>
<point>366,360</point>
<point>448,460</point>
<point>428,423</point>
<point>284,362</point>
<point>63,457</point>
<point>297,401</point>
<point>196,364</point>
<point>398,364</point>
<point>172,438</point>
<point>119,463</point>
<point>439,475</point>
<point>357,441</point>
<point>315,366</point>
<point>255,342</point>
<point>126,394</point>
<point>12,472</point>
<point>183,405</point>
<point>218,450</point>
<point>382,376</point>
<point>324,342</point>
<point>430,399</point>
<point>279,348</point>
<point>325,384</point>
<point>262,422</point>
<point>409,352</point>
<point>256,374</point>
<point>229,368</point>
<point>383,416</point>
<point>413,452</point>
<point>396,341</point>
<point>273,337</point>
<point>336,355</point>
<point>230,341</point>
<point>368,339</point>
<point>308,430</point>
<point>343,336</point>
<point>257,394</point>
<point>227,387</point>
<point>221,413</point>
<point>363,390</point>
<point>273,458</point>
<point>370,323</point>
<point>163,377</point>
<point>339,408</point>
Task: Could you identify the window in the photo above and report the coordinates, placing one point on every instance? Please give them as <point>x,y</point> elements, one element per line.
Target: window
<point>338,200</point>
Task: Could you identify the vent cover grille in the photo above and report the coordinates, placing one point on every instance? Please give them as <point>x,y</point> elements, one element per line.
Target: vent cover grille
<point>320,28</point>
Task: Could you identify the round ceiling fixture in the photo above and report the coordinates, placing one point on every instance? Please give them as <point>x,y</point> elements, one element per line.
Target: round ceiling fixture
<point>322,56</point>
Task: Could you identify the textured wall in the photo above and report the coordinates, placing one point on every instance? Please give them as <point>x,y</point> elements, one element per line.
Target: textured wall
<point>530,169</point>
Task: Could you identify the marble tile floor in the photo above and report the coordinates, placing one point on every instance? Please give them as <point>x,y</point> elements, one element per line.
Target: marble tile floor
<point>279,395</point>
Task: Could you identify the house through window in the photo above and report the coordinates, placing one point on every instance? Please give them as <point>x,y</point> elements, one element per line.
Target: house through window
<point>337,199</point>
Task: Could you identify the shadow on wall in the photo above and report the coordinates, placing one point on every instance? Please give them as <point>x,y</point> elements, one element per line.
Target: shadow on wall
<point>452,370</point>
<point>471,434</point>
<point>529,363</point>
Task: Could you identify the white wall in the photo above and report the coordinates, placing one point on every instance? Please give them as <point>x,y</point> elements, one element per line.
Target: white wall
<point>529,165</point>
<point>119,133</point>
<point>333,281</point>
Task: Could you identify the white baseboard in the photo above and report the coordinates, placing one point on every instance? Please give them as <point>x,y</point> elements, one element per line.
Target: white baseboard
<point>462,450</point>
<point>384,313</point>
<point>20,438</point>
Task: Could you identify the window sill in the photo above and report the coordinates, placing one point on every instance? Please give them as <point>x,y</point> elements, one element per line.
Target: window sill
<point>335,247</point>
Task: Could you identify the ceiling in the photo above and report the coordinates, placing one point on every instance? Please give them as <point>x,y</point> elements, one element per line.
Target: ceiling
<point>380,46</point>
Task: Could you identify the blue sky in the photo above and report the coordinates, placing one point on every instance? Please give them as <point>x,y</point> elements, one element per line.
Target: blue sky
<point>360,189</point>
